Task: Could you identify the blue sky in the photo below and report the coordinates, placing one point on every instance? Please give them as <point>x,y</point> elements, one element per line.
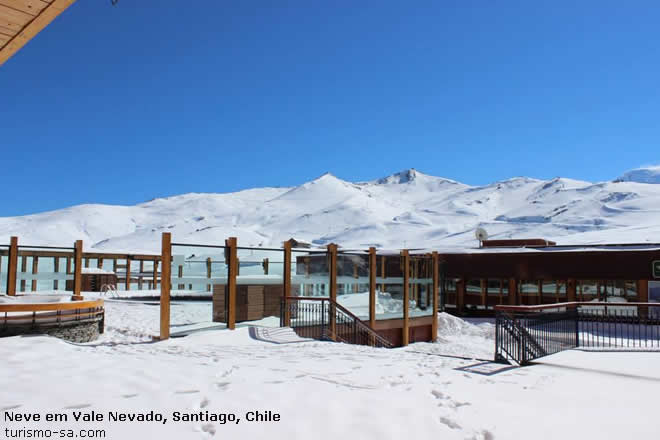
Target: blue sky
<point>150,98</point>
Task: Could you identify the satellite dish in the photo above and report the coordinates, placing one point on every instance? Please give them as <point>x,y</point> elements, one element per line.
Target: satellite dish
<point>481,235</point>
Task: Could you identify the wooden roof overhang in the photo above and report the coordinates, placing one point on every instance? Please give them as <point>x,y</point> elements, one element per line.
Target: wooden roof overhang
<point>21,20</point>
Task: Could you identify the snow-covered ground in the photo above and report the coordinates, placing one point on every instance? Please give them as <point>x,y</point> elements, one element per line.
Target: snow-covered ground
<point>321,390</point>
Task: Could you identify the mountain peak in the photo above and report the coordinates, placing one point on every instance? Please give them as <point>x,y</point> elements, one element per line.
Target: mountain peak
<point>405,176</point>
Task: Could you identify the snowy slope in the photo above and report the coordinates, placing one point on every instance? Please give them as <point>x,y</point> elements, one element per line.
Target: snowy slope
<point>407,209</point>
<point>643,175</point>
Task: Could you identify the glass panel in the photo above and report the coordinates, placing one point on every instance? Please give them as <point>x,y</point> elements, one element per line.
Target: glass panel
<point>353,283</point>
<point>4,263</point>
<point>198,288</point>
<point>450,292</point>
<point>587,290</point>
<point>631,291</point>
<point>43,270</point>
<point>389,287</point>
<point>310,274</point>
<point>494,286</point>
<point>421,286</point>
<point>527,287</point>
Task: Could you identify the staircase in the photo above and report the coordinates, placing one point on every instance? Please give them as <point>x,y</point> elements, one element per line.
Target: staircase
<point>325,319</point>
<point>513,342</point>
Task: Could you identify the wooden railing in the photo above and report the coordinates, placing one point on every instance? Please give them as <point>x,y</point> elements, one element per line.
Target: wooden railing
<point>50,313</point>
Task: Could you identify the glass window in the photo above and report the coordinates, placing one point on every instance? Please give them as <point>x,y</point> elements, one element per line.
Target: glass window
<point>494,287</point>
<point>631,290</point>
<point>526,287</point>
<point>473,287</point>
<point>587,290</point>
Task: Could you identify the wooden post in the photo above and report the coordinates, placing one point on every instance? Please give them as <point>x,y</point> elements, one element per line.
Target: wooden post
<point>513,289</point>
<point>56,270</point>
<point>99,263</point>
<point>77,271</point>
<point>264,264</point>
<point>23,270</point>
<point>208,273</point>
<point>332,254</point>
<point>286,275</point>
<point>372,286</point>
<point>436,281</point>
<point>155,275</point>
<point>69,271</point>
<point>165,279</point>
<point>307,269</point>
<point>114,265</point>
<point>35,270</point>
<point>643,296</point>
<point>12,266</point>
<point>180,275</point>
<point>140,276</point>
<point>86,262</point>
<point>406,297</point>
<point>356,276</point>
<point>127,282</point>
<point>231,245</point>
<point>570,290</point>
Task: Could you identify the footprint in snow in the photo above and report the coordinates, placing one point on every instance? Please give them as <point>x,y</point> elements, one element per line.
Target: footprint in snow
<point>81,406</point>
<point>128,396</point>
<point>209,428</point>
<point>449,423</point>
<point>7,408</point>
<point>204,403</point>
<point>186,392</point>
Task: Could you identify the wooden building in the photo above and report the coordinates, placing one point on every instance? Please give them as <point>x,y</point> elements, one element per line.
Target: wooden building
<point>477,280</point>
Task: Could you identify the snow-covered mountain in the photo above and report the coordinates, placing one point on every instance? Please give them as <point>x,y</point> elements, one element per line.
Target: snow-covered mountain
<point>643,175</point>
<point>408,209</point>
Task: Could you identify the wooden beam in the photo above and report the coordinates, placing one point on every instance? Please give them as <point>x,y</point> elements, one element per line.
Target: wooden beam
<point>12,266</point>
<point>155,279</point>
<point>513,292</point>
<point>406,297</point>
<point>23,269</point>
<point>28,30</point>
<point>264,264</point>
<point>208,273</point>
<point>332,254</point>
<point>77,271</point>
<point>35,269</point>
<point>436,281</point>
<point>56,269</point>
<point>127,281</point>
<point>372,286</point>
<point>231,245</point>
<point>286,275</point>
<point>165,279</point>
